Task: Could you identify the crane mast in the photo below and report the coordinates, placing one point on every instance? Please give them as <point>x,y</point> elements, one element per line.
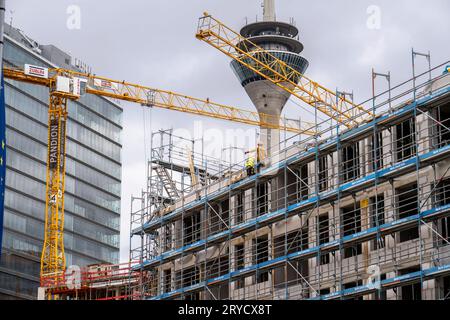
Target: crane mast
<point>53,258</point>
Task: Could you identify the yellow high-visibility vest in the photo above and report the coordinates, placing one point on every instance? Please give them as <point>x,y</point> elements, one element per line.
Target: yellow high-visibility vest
<point>250,162</point>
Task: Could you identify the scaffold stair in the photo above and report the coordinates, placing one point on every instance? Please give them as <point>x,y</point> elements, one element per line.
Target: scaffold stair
<point>167,181</point>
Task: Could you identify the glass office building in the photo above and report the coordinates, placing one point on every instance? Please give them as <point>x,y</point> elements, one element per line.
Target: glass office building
<point>93,174</point>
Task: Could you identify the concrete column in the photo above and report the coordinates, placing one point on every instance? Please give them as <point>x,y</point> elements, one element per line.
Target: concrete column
<point>249,205</point>
<point>423,133</point>
<point>204,223</point>
<point>430,288</point>
<point>312,177</point>
<point>333,174</point>
<point>269,101</point>
<point>233,210</point>
<point>365,223</point>
<point>388,147</point>
<point>367,151</point>
<point>363,157</point>
<point>178,234</point>
<point>390,214</point>
<point>312,242</point>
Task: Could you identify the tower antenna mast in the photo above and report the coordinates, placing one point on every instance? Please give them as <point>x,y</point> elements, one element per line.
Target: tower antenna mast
<point>269,10</point>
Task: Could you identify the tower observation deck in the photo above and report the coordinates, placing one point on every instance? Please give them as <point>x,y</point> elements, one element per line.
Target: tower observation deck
<point>281,40</point>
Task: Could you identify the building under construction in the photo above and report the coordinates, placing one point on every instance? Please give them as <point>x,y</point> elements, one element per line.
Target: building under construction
<point>347,213</point>
<point>362,213</point>
<point>358,212</point>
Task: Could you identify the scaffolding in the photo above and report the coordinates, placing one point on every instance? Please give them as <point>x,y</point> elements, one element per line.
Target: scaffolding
<point>361,213</point>
<point>178,169</point>
<point>93,282</point>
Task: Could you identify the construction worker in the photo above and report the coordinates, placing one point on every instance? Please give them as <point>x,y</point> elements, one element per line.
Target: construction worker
<point>447,69</point>
<point>250,165</point>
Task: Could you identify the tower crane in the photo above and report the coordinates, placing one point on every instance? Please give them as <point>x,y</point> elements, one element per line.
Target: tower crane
<point>254,57</point>
<point>65,85</point>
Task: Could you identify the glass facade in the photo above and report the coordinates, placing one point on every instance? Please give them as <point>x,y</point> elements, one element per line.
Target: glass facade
<point>93,180</point>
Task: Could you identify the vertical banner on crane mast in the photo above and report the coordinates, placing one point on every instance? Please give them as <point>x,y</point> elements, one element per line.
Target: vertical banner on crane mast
<point>2,126</point>
<point>2,157</point>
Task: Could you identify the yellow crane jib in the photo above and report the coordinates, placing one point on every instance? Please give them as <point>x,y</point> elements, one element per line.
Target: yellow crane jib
<point>143,95</point>
<point>262,62</point>
<point>65,85</point>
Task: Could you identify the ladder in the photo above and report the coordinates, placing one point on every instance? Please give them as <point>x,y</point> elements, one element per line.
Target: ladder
<point>168,183</point>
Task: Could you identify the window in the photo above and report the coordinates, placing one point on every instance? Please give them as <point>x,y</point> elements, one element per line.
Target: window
<point>376,152</point>
<point>412,291</point>
<point>167,281</point>
<point>323,174</point>
<point>445,230</point>
<point>191,228</point>
<point>219,216</point>
<point>408,206</point>
<point>292,178</point>
<point>351,224</point>
<point>239,207</point>
<point>442,193</point>
<point>262,199</point>
<point>444,294</point>
<point>167,237</point>
<point>260,255</point>
<point>17,284</point>
<point>19,264</point>
<point>377,218</point>
<point>290,243</point>
<point>303,183</point>
<point>324,291</point>
<point>188,277</point>
<point>353,285</point>
<point>217,267</point>
<point>443,116</point>
<point>225,214</point>
<point>442,198</point>
<point>239,256</point>
<point>350,162</point>
<point>324,236</point>
<point>406,139</point>
<point>287,244</point>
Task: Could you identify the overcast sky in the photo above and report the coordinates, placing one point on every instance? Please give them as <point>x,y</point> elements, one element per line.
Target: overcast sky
<point>153,43</point>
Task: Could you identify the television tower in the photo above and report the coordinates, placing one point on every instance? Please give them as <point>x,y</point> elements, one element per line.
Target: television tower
<point>281,40</point>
